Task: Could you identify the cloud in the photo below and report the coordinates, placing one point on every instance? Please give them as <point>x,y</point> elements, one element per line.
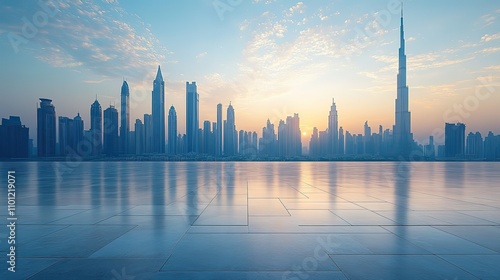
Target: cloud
<point>487,38</point>
<point>95,81</point>
<point>201,55</point>
<point>488,20</point>
<point>423,61</point>
<point>282,54</point>
<point>489,50</point>
<point>297,9</point>
<point>99,36</point>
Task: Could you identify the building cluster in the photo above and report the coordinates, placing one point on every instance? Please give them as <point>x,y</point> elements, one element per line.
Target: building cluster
<point>471,147</point>
<point>111,133</point>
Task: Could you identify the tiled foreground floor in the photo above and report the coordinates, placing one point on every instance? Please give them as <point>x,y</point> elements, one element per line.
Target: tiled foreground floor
<point>154,220</point>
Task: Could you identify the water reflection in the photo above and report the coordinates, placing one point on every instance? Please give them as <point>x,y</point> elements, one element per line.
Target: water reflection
<point>454,174</point>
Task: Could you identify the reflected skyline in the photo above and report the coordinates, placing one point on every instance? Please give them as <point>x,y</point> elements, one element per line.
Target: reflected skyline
<point>189,216</point>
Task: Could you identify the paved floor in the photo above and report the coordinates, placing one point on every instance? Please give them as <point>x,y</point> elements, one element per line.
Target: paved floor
<point>154,220</point>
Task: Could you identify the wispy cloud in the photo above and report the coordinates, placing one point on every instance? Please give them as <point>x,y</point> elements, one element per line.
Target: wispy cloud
<point>488,20</point>
<point>97,35</point>
<point>487,38</point>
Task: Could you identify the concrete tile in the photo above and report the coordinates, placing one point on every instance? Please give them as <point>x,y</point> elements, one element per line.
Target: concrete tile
<point>396,267</point>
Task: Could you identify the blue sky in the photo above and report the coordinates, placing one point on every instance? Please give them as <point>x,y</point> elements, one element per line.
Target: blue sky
<point>270,58</point>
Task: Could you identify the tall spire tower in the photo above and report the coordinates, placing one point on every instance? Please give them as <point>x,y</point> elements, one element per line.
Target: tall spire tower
<point>125,119</point>
<point>158,114</point>
<point>403,137</point>
<point>333,130</point>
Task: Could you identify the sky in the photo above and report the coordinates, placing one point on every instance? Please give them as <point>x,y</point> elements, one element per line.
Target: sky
<point>269,58</point>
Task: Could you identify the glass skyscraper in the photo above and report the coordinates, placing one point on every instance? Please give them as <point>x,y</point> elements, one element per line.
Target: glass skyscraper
<point>192,120</point>
<point>111,131</point>
<point>46,128</point>
<point>96,127</point>
<point>158,114</point>
<point>172,131</point>
<point>125,119</point>
<point>403,137</point>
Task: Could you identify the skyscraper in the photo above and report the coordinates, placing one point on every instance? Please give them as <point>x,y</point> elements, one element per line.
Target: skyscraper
<point>172,131</point>
<point>96,127</point>
<point>341,141</point>
<point>230,134</point>
<point>314,143</point>
<point>267,145</point>
<point>78,137</point>
<point>111,131</point>
<point>207,138</point>
<point>475,146</point>
<point>367,139</point>
<point>333,130</point>
<point>139,137</point>
<point>289,137</point>
<point>492,146</point>
<point>148,133</point>
<point>46,128</point>
<point>429,150</point>
<point>66,135</point>
<point>218,136</point>
<point>403,137</point>
<point>454,140</point>
<point>192,122</point>
<point>14,138</point>
<point>125,119</point>
<point>158,113</point>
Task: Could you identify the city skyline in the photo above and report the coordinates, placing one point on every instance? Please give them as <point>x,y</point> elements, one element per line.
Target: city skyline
<point>426,118</point>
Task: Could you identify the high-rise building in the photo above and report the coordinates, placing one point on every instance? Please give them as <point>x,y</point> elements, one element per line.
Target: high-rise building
<point>349,143</point>
<point>207,138</point>
<point>314,143</point>
<point>96,127</point>
<point>124,118</point>
<point>333,130</point>
<point>403,138</point>
<point>475,146</point>
<point>230,134</point>
<point>367,139</point>
<point>454,140</point>
<point>111,142</point>
<point>139,137</point>
<point>46,128</point>
<point>341,141</point>
<point>172,131</point>
<point>66,134</point>
<point>218,132</point>
<point>214,139</point>
<point>192,121</point>
<point>158,114</point>
<point>78,137</point>
<point>148,133</point>
<point>14,138</point>
<point>131,141</point>
<point>267,144</point>
<point>492,146</point>
<point>430,150</point>
<point>289,137</point>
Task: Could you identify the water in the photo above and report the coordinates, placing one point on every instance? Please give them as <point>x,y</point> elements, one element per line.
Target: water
<point>239,220</point>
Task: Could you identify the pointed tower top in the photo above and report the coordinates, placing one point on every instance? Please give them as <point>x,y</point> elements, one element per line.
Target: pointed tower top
<point>159,76</point>
<point>402,6</point>
<point>124,86</point>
